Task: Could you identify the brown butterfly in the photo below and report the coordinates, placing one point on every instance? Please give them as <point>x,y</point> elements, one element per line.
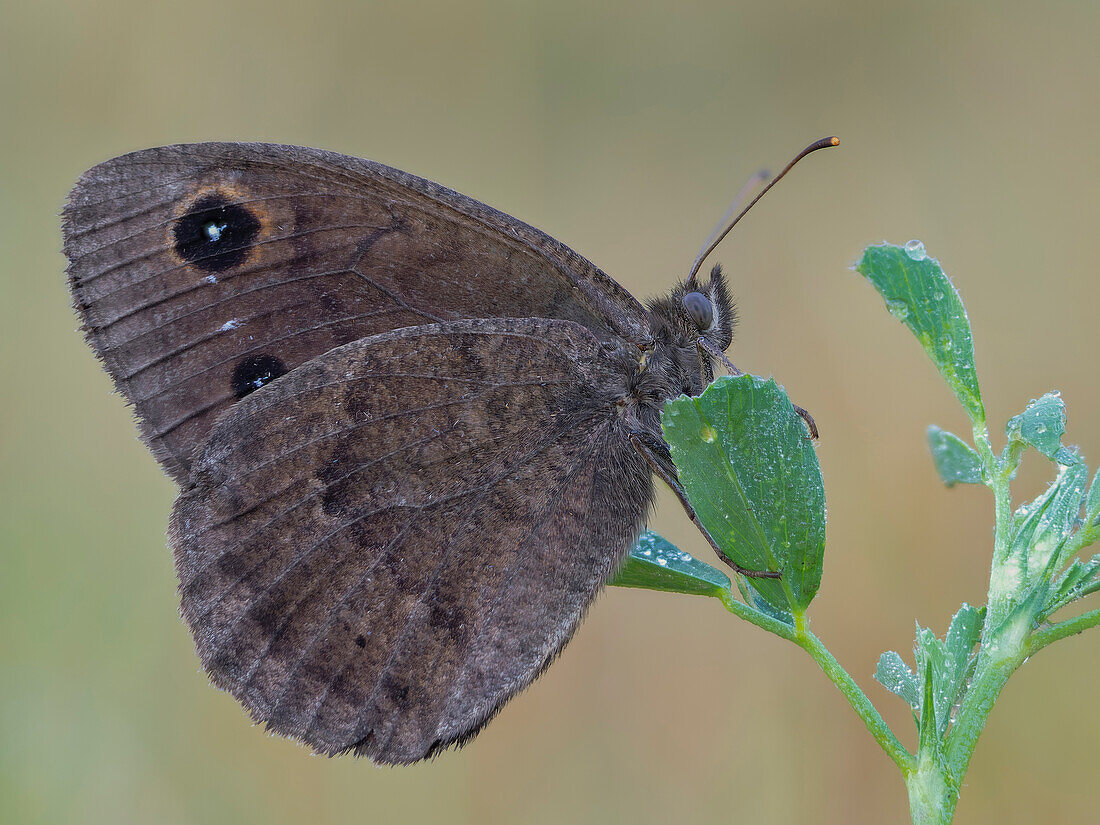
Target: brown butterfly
<point>413,435</point>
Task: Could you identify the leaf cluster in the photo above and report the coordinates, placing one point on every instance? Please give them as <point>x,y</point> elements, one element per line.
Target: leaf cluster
<point>753,478</point>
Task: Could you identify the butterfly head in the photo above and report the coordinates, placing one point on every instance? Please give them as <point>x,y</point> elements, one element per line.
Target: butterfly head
<point>693,318</point>
<point>696,310</point>
<point>710,308</point>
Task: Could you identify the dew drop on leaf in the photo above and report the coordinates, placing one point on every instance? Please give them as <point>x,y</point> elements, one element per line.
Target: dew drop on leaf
<point>915,250</point>
<point>899,309</point>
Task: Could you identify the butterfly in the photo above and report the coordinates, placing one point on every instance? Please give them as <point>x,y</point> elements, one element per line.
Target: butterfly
<point>413,436</point>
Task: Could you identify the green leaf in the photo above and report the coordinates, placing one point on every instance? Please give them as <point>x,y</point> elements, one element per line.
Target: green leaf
<point>1057,522</point>
<point>955,460</point>
<point>753,599</point>
<point>750,470</point>
<point>928,741</point>
<point>1042,425</point>
<point>894,675</point>
<point>918,293</point>
<point>1092,587</point>
<point>1077,581</point>
<point>931,657</point>
<point>947,664</point>
<point>1077,574</point>
<point>962,637</point>
<point>656,564</point>
<point>964,632</point>
<point>1041,529</point>
<point>939,789</point>
<point>1092,503</point>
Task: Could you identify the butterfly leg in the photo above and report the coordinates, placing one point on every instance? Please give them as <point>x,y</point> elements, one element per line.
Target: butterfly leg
<point>659,459</point>
<point>809,419</point>
<point>714,352</point>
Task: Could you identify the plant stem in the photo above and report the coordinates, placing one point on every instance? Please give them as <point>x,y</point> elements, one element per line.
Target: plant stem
<point>855,696</point>
<point>932,798</point>
<point>997,472</point>
<point>990,676</point>
<point>1002,647</point>
<point>800,634</point>
<point>1041,638</point>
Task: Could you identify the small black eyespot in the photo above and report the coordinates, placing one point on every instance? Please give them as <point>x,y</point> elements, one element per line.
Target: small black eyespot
<point>215,234</point>
<point>255,371</point>
<point>699,309</point>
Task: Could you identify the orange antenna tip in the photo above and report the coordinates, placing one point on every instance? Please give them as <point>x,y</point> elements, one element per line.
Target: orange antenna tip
<point>716,237</point>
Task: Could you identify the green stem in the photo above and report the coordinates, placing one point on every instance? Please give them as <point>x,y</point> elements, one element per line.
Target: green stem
<point>981,442</point>
<point>990,677</point>
<point>856,697</point>
<point>998,472</point>
<point>932,796</point>
<point>997,599</point>
<point>1002,647</point>
<point>1041,638</point>
<point>800,634</point>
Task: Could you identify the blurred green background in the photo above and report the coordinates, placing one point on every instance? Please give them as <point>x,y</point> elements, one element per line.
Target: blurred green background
<point>622,129</point>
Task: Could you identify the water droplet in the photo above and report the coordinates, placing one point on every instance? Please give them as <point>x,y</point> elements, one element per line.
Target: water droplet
<point>662,562</point>
<point>947,344</point>
<point>915,250</point>
<point>899,309</point>
<point>708,434</point>
<point>1040,428</point>
<point>937,296</point>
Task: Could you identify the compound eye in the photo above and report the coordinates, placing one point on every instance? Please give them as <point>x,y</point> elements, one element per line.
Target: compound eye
<point>699,309</point>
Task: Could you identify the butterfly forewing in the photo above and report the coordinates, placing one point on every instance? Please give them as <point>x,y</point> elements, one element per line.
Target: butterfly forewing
<point>205,271</point>
<point>380,548</point>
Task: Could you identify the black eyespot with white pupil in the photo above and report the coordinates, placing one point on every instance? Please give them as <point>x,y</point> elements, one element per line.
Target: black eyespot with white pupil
<point>254,372</point>
<point>215,234</point>
<point>699,310</point>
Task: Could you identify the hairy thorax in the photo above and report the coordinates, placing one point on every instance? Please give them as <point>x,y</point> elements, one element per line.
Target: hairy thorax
<point>674,362</point>
<point>665,370</point>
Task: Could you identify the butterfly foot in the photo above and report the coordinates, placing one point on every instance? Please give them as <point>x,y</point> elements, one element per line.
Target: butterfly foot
<point>809,419</point>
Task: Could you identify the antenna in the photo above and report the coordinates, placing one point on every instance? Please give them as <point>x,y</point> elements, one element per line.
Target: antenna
<point>719,233</point>
<point>756,180</point>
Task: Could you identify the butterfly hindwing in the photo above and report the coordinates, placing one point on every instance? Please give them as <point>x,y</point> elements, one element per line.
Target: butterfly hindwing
<point>379,549</point>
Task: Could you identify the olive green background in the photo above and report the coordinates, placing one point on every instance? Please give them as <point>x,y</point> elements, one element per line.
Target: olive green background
<point>622,129</point>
